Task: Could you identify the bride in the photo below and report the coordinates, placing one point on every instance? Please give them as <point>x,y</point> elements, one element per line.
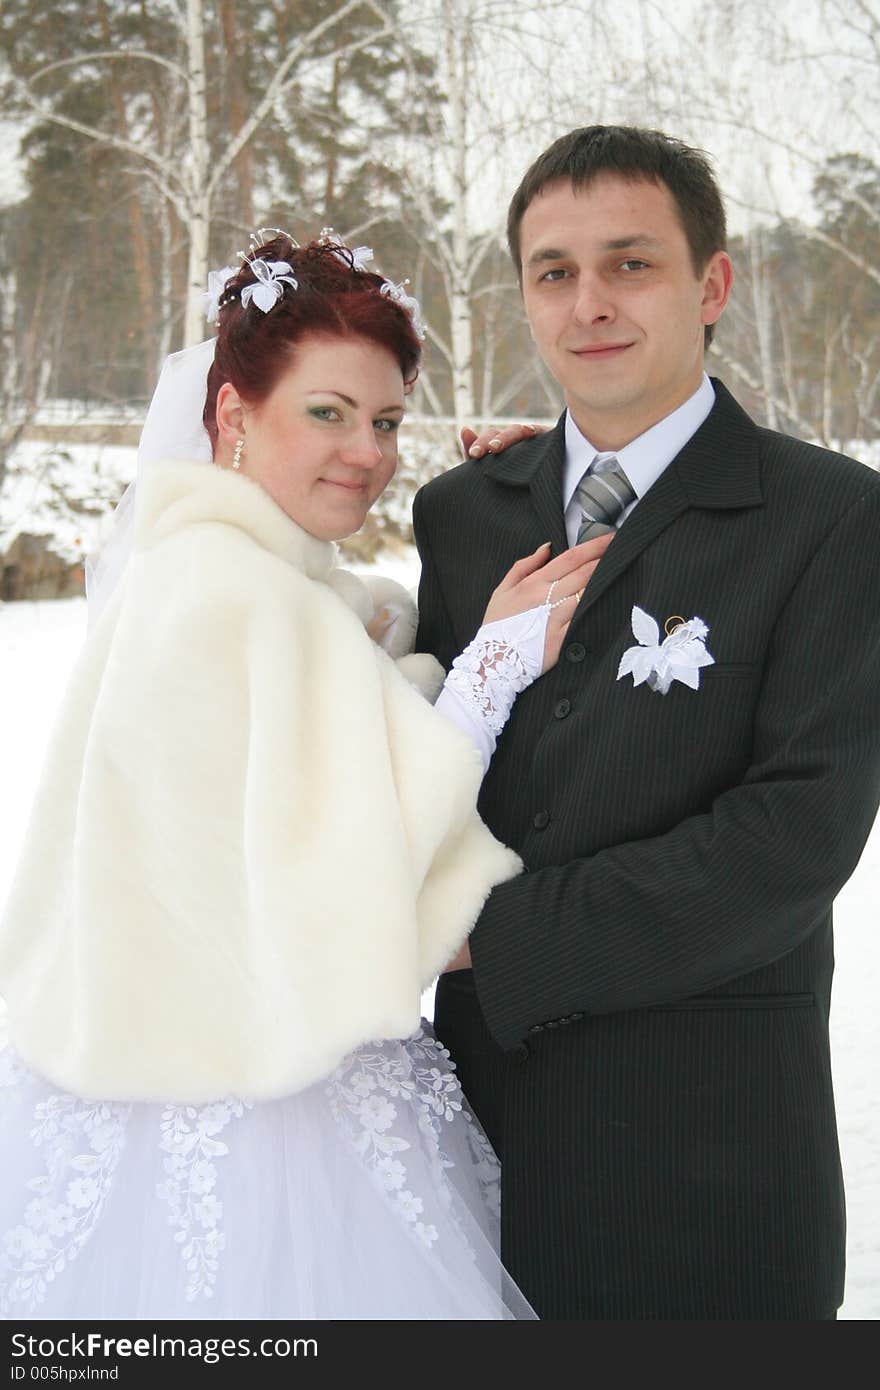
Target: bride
<point>254,844</point>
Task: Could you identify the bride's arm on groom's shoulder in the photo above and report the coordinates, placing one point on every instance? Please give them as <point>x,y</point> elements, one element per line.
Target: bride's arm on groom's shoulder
<point>494,439</point>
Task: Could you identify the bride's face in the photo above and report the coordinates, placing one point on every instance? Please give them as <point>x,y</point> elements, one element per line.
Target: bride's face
<point>324,442</point>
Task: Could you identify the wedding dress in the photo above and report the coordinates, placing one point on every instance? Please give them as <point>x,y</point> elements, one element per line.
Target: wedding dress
<point>373,1194</point>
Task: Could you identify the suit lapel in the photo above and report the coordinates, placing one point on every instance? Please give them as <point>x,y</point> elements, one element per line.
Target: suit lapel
<point>545,490</point>
<point>533,470</point>
<point>718,469</point>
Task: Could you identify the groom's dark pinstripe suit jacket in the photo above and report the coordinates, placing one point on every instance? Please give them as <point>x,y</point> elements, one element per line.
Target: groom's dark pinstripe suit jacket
<point>647,1043</point>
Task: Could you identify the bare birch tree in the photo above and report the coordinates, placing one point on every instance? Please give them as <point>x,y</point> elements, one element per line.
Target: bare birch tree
<point>188,169</point>
<point>507,88</point>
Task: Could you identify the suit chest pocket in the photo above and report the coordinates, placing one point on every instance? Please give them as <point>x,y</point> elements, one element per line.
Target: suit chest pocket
<point>668,756</point>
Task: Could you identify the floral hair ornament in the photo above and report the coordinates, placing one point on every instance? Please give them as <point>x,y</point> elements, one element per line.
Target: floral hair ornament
<point>216,286</point>
<point>357,257</point>
<point>272,276</point>
<point>217,279</point>
<point>262,234</point>
<point>407,302</point>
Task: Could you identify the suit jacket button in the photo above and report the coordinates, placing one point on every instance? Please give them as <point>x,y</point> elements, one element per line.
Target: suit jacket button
<point>552,1023</point>
<point>575,1018</point>
<point>575,651</point>
<point>542,820</point>
<point>520,1053</point>
<point>537,1028</point>
<point>563,708</point>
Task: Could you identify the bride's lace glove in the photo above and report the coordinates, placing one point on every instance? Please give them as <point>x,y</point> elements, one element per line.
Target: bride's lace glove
<point>502,660</point>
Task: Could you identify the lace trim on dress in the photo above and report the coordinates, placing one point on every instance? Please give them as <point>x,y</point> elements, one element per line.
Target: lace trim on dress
<point>83,1142</point>
<point>487,1167</point>
<point>188,1138</point>
<point>362,1092</point>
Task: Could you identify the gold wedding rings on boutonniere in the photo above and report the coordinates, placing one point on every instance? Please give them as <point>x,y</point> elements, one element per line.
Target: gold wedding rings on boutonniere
<point>672,623</point>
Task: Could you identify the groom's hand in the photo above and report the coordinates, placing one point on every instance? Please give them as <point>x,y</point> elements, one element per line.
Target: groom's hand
<point>494,439</point>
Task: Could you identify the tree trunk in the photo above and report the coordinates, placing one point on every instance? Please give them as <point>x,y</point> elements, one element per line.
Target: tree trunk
<point>332,173</point>
<point>763,323</point>
<point>139,242</point>
<point>9,426</point>
<point>237,112</point>
<point>458,71</point>
<point>166,291</point>
<point>199,201</point>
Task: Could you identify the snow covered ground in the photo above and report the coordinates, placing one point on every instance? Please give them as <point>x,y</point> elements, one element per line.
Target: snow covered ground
<point>38,643</point>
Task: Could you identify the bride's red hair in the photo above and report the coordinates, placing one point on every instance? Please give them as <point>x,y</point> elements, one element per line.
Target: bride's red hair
<point>332,299</point>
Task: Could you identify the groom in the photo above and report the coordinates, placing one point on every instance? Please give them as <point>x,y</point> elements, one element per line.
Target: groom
<point>644,1031</point>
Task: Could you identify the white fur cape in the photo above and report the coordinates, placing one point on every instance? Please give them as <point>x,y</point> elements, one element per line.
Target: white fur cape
<point>254,843</point>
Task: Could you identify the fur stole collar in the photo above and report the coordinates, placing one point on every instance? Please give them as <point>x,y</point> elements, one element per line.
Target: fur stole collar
<point>254,843</point>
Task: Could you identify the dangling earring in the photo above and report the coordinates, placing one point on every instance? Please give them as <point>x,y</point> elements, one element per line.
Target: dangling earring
<point>237,453</point>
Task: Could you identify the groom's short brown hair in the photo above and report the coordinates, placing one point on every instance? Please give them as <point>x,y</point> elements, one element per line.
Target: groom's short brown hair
<point>632,153</point>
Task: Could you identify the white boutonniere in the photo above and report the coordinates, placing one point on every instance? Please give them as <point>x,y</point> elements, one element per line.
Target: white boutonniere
<point>678,658</point>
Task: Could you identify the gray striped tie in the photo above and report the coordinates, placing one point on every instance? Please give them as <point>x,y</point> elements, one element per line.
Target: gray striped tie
<point>602,493</point>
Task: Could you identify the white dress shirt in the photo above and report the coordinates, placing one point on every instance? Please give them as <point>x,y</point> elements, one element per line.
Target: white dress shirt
<point>643,460</point>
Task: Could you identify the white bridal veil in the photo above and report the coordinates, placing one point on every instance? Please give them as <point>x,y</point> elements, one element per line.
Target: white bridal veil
<point>173,430</point>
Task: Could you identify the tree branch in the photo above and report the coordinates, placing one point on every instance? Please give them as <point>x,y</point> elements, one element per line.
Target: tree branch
<point>805,427</point>
<point>84,58</point>
<point>240,139</point>
<point>94,132</point>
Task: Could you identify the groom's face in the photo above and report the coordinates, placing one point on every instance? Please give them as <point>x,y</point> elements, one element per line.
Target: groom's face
<point>615,305</point>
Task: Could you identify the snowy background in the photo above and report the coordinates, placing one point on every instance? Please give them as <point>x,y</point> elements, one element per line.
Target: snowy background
<point>38,644</point>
